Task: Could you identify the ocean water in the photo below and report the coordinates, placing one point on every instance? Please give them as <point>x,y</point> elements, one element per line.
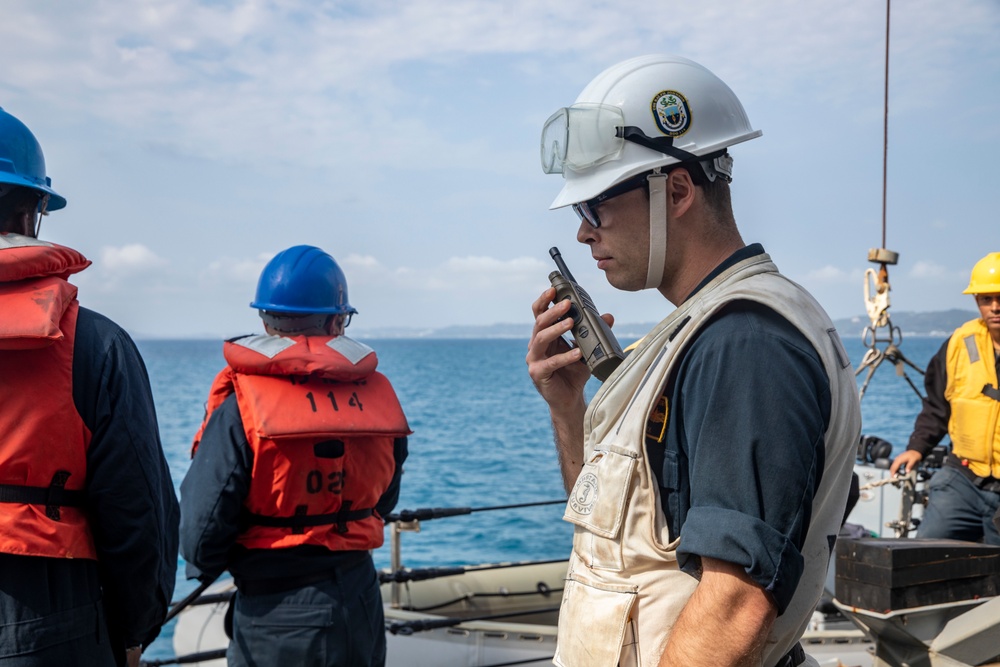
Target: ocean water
<point>481,439</point>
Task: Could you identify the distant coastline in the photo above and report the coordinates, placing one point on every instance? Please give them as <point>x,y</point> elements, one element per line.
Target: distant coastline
<point>936,324</point>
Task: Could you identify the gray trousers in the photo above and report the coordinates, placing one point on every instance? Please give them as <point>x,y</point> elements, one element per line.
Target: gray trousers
<point>334,623</point>
<point>51,613</point>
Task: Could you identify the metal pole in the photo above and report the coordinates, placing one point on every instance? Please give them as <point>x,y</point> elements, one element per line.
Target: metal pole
<point>395,562</point>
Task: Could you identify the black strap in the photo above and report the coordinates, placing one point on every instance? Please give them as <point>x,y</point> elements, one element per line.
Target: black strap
<point>302,520</point>
<point>272,585</point>
<point>664,145</point>
<point>53,496</point>
<point>795,656</point>
<point>990,484</point>
<point>992,392</point>
<point>677,329</point>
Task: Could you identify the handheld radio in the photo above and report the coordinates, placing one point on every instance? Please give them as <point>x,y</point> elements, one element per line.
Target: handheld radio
<point>599,347</point>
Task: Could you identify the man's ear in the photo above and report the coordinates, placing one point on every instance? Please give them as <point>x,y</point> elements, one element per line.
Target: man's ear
<point>680,192</point>
<point>335,325</point>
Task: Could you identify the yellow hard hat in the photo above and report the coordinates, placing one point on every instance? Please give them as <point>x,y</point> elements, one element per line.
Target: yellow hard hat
<point>985,276</point>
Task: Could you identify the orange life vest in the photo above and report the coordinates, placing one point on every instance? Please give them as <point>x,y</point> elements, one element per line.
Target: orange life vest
<point>43,460</point>
<point>321,423</point>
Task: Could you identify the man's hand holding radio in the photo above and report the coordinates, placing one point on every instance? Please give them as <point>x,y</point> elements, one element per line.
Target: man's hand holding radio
<point>559,376</point>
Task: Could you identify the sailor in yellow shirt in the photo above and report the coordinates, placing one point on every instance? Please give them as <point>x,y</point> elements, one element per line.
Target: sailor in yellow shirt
<point>963,401</point>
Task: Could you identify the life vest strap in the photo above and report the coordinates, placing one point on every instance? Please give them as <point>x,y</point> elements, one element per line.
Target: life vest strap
<point>991,391</point>
<point>301,520</point>
<point>52,496</point>
<point>346,561</point>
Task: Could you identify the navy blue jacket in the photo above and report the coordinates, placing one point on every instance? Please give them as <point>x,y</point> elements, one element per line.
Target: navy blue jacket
<point>749,404</point>
<point>133,509</point>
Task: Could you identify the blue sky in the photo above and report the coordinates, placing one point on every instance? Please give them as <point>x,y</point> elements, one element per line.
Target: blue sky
<point>194,140</point>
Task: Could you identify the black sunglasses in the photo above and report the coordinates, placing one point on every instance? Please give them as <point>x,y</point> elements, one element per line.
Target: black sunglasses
<point>587,210</point>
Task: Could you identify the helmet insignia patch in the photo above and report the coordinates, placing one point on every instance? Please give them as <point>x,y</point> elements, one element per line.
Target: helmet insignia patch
<point>670,110</point>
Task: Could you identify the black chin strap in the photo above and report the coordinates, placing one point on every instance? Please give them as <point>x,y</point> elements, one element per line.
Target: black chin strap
<point>664,145</point>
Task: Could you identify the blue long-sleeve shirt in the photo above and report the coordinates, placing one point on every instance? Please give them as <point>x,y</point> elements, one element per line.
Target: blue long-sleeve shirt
<point>749,404</point>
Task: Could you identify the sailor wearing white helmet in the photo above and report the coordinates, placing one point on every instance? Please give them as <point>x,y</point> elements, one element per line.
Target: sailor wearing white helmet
<point>709,475</point>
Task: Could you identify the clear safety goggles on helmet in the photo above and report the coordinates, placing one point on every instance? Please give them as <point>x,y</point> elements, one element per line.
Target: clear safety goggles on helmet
<point>581,136</point>
<point>586,135</point>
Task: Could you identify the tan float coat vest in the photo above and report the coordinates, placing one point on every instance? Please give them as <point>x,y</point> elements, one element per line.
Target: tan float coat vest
<point>624,590</point>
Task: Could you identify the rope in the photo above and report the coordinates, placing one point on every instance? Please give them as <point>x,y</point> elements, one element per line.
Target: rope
<point>202,656</point>
<point>191,598</point>
<point>529,661</point>
<point>542,590</point>
<point>885,124</point>
<point>881,482</point>
<point>909,478</point>
<point>422,574</point>
<point>428,513</point>
<point>876,285</point>
<point>409,627</point>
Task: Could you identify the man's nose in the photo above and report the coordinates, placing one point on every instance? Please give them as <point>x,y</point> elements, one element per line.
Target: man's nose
<point>585,233</point>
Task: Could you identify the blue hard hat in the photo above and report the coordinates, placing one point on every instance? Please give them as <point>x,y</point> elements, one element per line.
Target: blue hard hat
<point>22,162</point>
<point>302,279</point>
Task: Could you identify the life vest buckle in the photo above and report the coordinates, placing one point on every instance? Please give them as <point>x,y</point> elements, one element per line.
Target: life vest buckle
<point>54,494</point>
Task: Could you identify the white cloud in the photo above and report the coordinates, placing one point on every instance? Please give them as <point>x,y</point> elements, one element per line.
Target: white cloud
<point>455,274</point>
<point>126,272</point>
<point>235,271</point>
<point>360,262</point>
<point>459,274</point>
<point>130,259</point>
<point>924,269</point>
<point>831,274</point>
<point>298,78</point>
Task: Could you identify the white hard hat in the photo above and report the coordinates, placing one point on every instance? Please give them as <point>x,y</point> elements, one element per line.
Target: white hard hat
<point>642,113</point>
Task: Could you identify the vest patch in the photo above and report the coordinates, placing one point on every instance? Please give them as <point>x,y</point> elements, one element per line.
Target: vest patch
<point>269,346</point>
<point>656,425</point>
<point>20,241</point>
<point>351,349</point>
<point>584,494</point>
<point>970,347</point>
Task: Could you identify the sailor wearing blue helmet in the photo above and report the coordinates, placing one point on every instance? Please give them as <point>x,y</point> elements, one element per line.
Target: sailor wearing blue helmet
<point>88,515</point>
<point>297,461</point>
